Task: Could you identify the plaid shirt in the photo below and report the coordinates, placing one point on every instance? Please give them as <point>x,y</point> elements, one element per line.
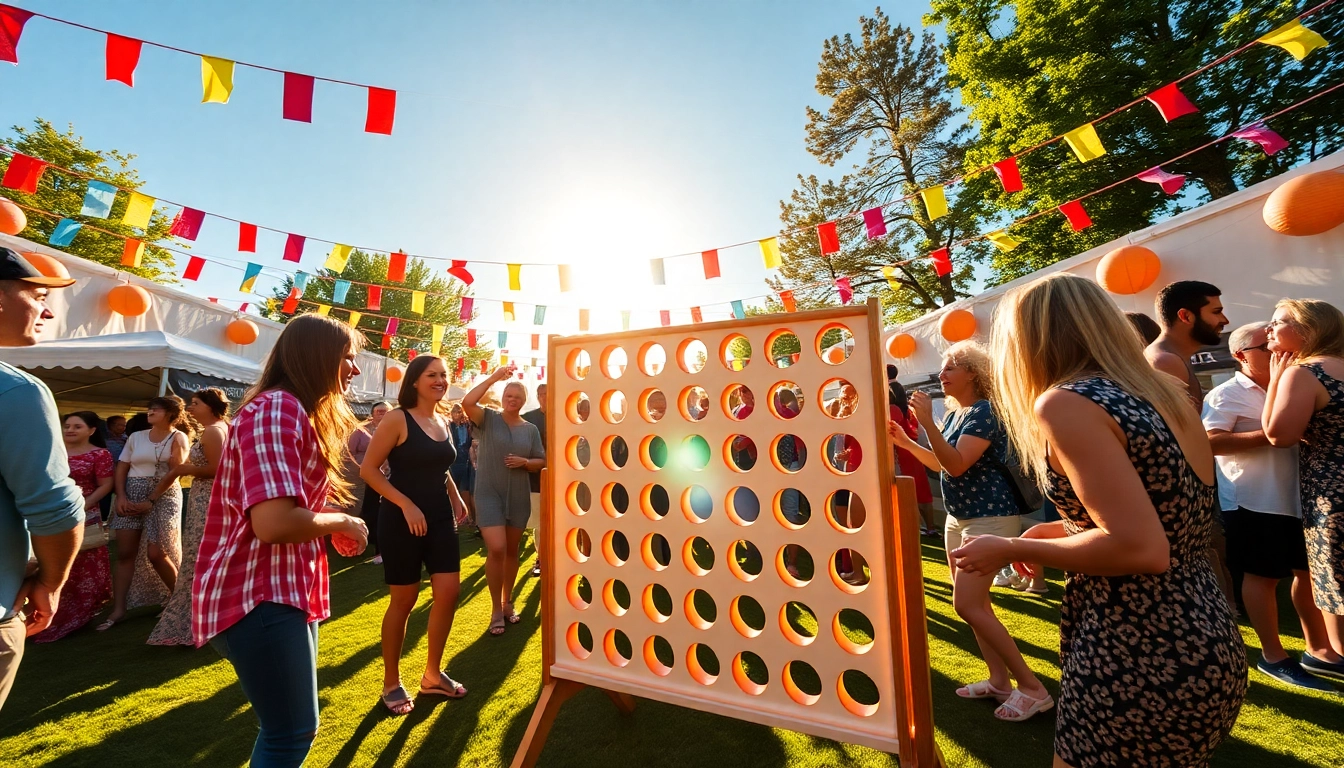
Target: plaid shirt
<point>271,453</point>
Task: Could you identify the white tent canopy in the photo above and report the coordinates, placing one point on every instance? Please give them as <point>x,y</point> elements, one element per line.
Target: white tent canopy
<point>147,350</point>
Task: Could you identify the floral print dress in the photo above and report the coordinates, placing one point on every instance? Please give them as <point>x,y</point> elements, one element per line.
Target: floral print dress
<point>1153,669</point>
<point>174,627</point>
<point>1321,465</point>
<point>89,586</point>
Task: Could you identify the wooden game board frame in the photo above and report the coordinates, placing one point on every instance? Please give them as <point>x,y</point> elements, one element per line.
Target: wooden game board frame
<point>905,588</point>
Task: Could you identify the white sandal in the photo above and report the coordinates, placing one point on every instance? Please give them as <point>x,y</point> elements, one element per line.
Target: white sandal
<point>983,690</point>
<point>1023,707</point>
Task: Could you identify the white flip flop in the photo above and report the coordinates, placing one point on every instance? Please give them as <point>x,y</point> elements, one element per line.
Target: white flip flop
<point>1023,707</point>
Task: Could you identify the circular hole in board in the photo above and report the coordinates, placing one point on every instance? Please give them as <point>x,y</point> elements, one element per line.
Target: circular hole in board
<point>802,683</point>
<point>702,663</point>
<point>750,673</point>
<point>654,502</point>
<point>613,361</point>
<point>849,571</point>
<point>858,693</point>
<point>747,616</point>
<point>783,348</point>
<point>652,358</point>
<point>659,656</point>
<point>652,405</point>
<point>655,551</point>
<point>739,453</point>
<point>692,354</point>
<point>745,560</point>
<point>853,631</point>
<point>617,648</point>
<point>578,545</point>
<point>657,603</point>
<point>698,556</point>
<point>792,508</point>
<point>580,640</point>
<point>834,343</point>
<point>578,364</point>
<point>735,352</point>
<point>794,565</point>
<point>738,402</point>
<point>742,505</point>
<point>798,623</point>
<point>845,511</point>
<point>788,453</point>
<point>578,499</point>
<point>786,400</point>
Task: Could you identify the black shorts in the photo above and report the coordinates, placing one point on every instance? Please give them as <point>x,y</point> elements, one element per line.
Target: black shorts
<point>404,553</point>
<point>1265,545</point>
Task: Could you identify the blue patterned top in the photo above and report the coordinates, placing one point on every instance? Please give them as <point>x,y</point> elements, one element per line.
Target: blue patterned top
<point>982,490</point>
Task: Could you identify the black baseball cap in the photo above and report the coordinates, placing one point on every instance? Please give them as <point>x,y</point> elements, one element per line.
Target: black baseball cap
<point>15,267</point>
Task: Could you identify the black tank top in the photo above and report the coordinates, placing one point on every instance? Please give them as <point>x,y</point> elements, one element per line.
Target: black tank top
<point>419,469</point>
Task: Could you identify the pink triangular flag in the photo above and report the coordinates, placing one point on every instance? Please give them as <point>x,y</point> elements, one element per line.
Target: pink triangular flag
<point>875,222</point>
<point>1260,133</point>
<point>1171,183</point>
<point>187,225</point>
<point>297,103</point>
<point>846,292</point>
<point>294,247</point>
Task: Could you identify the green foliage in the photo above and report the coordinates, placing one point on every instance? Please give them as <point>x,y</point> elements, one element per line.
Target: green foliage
<point>442,307</point>
<point>1031,69</point>
<point>63,195</point>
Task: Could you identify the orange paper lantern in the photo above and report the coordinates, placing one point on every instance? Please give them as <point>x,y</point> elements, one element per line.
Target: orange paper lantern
<point>12,218</point>
<point>45,264</point>
<point>128,300</point>
<point>957,325</point>
<point>1128,269</point>
<point>394,374</point>
<point>241,331</point>
<point>1306,205</point>
<point>901,345</point>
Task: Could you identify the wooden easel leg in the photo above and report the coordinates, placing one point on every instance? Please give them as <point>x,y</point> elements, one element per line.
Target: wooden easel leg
<point>553,694</point>
<point>623,701</point>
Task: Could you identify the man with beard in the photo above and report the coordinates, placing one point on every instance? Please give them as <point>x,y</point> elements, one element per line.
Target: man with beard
<point>1192,317</point>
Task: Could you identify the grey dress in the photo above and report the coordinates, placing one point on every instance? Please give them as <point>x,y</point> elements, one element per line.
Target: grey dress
<point>504,496</point>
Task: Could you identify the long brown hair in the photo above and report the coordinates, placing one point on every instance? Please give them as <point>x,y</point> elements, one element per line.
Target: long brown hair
<point>408,397</point>
<point>306,363</point>
<point>176,411</point>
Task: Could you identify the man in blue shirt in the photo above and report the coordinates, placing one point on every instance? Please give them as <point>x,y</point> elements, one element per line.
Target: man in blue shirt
<point>38,500</point>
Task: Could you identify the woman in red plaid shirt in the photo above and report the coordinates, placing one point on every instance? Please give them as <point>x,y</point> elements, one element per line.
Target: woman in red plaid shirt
<point>261,575</point>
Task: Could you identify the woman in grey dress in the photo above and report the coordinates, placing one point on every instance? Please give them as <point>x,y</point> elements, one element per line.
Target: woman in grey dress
<point>508,448</point>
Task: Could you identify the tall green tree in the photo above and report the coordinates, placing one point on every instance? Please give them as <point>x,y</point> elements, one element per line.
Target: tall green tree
<point>889,102</point>
<point>63,195</point>
<point>443,303</point>
<point>1031,69</point>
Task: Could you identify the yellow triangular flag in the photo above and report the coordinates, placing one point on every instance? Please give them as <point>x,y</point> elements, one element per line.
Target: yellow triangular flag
<point>890,274</point>
<point>1003,241</point>
<point>503,360</point>
<point>935,200</point>
<point>508,311</point>
<point>770,252</point>
<point>138,211</point>
<point>418,302</point>
<point>1085,142</point>
<point>515,278</point>
<point>354,319</point>
<point>216,79</point>
<point>336,260</point>
<point>435,339</point>
<point>1295,39</point>
<point>324,309</point>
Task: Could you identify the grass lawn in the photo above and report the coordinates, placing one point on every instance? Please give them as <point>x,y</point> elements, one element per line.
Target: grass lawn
<point>109,700</point>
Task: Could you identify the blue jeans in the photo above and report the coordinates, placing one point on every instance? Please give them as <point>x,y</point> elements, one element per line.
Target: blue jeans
<point>273,650</point>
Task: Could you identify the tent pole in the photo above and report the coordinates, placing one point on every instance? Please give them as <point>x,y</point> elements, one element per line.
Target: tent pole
<point>163,382</point>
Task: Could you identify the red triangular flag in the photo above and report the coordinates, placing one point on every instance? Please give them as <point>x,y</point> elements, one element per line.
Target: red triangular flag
<point>381,112</point>
<point>665,317</point>
<point>829,237</point>
<point>396,267</point>
<point>942,262</point>
<point>484,366</point>
<point>244,307</point>
<point>786,297</point>
<point>410,355</point>
<point>123,55</point>
<point>375,298</point>
<point>387,341</point>
<point>187,225</point>
<point>194,267</point>
<point>459,270</point>
<point>461,364</point>
<point>1078,218</point>
<point>846,292</point>
<point>875,222</point>
<point>1009,176</point>
<point>471,338</point>
<point>710,260</point>
<point>1170,102</point>
<point>11,28</point>
<point>23,172</point>
<point>696,317</point>
<point>298,98</point>
<point>291,301</point>
<point>247,237</point>
<point>294,248</point>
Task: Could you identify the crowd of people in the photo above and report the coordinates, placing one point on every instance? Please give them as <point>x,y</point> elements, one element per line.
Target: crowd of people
<point>1080,439</point>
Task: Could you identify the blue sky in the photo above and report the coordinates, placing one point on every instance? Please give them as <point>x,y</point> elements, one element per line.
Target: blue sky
<point>594,133</point>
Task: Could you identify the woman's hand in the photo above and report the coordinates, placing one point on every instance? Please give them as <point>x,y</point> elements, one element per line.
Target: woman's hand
<point>922,406</point>
<point>352,539</point>
<point>459,508</point>
<point>90,505</point>
<point>898,434</point>
<point>415,520</point>
<point>1278,363</point>
<point>514,462</point>
<point>503,372</point>
<point>984,555</point>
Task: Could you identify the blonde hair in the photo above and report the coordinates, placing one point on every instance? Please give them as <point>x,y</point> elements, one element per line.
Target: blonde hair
<point>973,357</point>
<point>1058,329</point>
<point>1321,325</point>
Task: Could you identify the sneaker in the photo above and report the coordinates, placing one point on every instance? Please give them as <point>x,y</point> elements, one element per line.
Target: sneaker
<point>1290,672</point>
<point>1005,577</point>
<point>1323,668</point>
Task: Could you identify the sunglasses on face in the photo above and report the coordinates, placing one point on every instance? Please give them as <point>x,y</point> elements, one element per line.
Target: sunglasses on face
<point>1264,347</point>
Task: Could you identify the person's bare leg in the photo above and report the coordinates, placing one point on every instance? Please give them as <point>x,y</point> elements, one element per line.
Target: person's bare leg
<point>970,598</point>
<point>1334,629</point>
<point>394,631</point>
<point>1262,608</point>
<point>128,547</point>
<point>1314,634</point>
<point>496,561</point>
<point>446,587</point>
<point>927,514</point>
<point>510,569</point>
<point>163,565</point>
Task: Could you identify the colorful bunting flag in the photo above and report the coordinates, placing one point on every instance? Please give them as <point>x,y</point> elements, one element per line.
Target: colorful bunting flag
<point>846,292</point>
<point>393,324</point>
<point>1085,142</point>
<point>464,314</point>
<point>471,338</point>
<point>250,278</point>
<point>436,343</point>
<point>301,280</point>
<point>1171,103</point>
<point>786,298</point>
<point>508,312</point>
<point>563,269</point>
<point>536,342</point>
<point>194,267</point>
<point>324,310</point>
<point>291,304</point>
<point>625,319</point>
<point>770,252</point>
<point>538,315</point>
<point>123,56</point>
<point>935,201</point>
<point>139,209</point>
<point>411,354</point>
<point>875,222</point>
<point>502,340</point>
<point>515,277</point>
<point>1260,133</point>
<point>23,172</point>
<point>656,270</point>
<point>583,320</point>
<point>132,252</point>
<point>1294,38</point>
<point>98,200</point>
<point>386,343</point>
<point>11,29</point>
<point>739,312</point>
<point>340,291</point>
<point>354,319</point>
<point>418,302</point>
<point>294,248</point>
<point>696,316</point>
<point>889,272</point>
<point>396,267</point>
<point>1170,183</point>
<point>1009,175</point>
<point>64,233</point>
<point>665,317</point>
<point>828,236</point>
<point>298,98</point>
<point>187,225</point>
<point>485,366</point>
<point>381,112</point>
<point>1078,218</point>
<point>375,301</point>
<point>216,80</point>
<point>942,262</point>
<point>503,360</point>
<point>337,259</point>
<point>247,237</point>
<point>710,261</point>
<point>1003,241</point>
<point>243,307</point>
<point>459,270</point>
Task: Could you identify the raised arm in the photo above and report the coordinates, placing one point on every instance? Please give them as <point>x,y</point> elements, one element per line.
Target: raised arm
<point>471,403</point>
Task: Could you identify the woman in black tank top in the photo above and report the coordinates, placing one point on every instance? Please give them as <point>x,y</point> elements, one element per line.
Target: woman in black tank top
<point>416,525</point>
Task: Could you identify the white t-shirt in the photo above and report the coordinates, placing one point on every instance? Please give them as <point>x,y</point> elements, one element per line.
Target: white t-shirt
<point>144,454</point>
<point>1263,479</point>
